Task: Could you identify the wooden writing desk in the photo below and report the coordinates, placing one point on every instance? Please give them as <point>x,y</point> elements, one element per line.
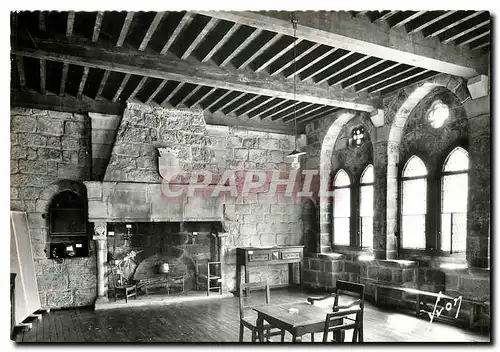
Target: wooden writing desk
<point>257,256</point>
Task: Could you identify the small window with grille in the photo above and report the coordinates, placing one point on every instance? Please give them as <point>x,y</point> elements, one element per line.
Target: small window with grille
<point>366,208</point>
<point>414,204</point>
<point>341,208</point>
<point>454,188</point>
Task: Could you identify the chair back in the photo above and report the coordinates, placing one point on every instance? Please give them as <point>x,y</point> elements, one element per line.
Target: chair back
<point>341,321</point>
<point>244,305</point>
<point>351,288</point>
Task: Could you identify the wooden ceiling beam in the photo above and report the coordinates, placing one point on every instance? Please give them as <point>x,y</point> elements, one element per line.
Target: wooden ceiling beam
<point>333,74</point>
<point>243,110</point>
<point>273,106</point>
<point>357,72</point>
<point>64,76</point>
<point>366,87</point>
<point>198,39</point>
<point>327,66</point>
<point>371,75</point>
<point>216,101</point>
<point>231,101</point>
<point>322,112</point>
<point>297,58</point>
<point>464,32</point>
<point>83,80</point>
<point>125,27</point>
<point>255,125</point>
<point>97,26</point>
<point>240,47</point>
<point>407,19</point>
<point>138,88</point>
<point>156,91</point>
<point>299,110</point>
<point>41,21</point>
<point>309,64</point>
<point>276,56</point>
<point>70,23</point>
<point>281,110</point>
<point>396,79</point>
<point>20,71</point>
<point>313,112</point>
<point>64,103</point>
<point>221,42</point>
<point>151,30</point>
<point>121,88</point>
<point>198,101</point>
<point>481,46</point>
<point>236,107</point>
<point>194,72</point>
<point>463,42</point>
<point>453,24</point>
<point>184,22</point>
<point>103,82</point>
<point>419,27</point>
<point>260,50</point>
<point>171,94</point>
<point>386,16</point>
<point>340,30</point>
<point>189,95</point>
<point>43,75</point>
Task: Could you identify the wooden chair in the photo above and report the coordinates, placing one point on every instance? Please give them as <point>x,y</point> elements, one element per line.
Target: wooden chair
<point>352,289</point>
<point>248,317</point>
<point>339,322</point>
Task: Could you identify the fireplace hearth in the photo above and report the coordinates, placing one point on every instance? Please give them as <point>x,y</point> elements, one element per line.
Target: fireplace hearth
<point>186,247</point>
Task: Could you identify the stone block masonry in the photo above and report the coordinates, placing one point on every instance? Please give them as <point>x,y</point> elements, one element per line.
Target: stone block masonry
<point>47,147</point>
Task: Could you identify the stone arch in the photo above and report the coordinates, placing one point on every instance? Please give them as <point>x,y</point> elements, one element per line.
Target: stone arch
<point>325,169</point>
<point>397,114</point>
<point>43,201</point>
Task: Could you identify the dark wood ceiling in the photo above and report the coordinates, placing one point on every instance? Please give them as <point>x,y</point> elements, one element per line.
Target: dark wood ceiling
<point>471,28</point>
<point>206,60</point>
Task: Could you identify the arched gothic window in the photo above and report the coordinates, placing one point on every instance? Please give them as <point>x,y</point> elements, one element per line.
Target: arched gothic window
<point>341,208</point>
<point>454,181</point>
<point>366,207</point>
<point>414,204</point>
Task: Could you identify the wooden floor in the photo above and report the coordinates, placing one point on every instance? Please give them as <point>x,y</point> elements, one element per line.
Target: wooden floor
<point>218,321</point>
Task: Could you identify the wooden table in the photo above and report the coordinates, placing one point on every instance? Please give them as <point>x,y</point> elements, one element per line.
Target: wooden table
<point>308,319</point>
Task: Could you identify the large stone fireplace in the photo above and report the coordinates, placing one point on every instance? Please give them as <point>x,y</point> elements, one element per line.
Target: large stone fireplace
<point>138,184</point>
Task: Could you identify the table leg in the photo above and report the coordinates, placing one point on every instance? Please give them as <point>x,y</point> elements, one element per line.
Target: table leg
<point>260,327</point>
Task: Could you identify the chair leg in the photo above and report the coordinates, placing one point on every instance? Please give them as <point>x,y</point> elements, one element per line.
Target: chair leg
<point>241,332</point>
<point>282,335</point>
<point>312,336</point>
<point>360,334</point>
<point>254,335</point>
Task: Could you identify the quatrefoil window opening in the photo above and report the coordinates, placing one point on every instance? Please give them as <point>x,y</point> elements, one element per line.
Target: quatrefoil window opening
<point>358,136</point>
<point>438,113</point>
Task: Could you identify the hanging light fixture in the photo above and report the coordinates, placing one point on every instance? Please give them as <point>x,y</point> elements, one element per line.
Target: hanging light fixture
<point>295,153</point>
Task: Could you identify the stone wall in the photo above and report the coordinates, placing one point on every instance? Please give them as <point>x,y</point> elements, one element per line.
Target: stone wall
<point>321,271</point>
<point>104,128</point>
<point>49,150</point>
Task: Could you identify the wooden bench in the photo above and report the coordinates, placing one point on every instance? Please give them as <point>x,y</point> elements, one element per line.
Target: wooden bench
<point>475,304</point>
